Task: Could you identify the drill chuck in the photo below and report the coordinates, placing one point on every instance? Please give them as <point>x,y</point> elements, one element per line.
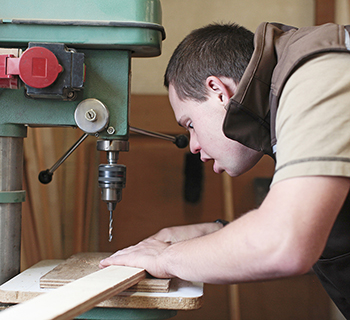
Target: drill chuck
<point>111,179</point>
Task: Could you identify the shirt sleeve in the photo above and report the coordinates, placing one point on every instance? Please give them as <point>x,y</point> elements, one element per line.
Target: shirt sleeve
<point>313,120</point>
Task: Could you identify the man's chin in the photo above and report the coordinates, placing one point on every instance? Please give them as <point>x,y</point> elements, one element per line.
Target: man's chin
<point>231,173</point>
<point>217,169</point>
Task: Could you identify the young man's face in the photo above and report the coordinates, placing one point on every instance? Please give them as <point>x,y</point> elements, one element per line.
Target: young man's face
<point>204,121</point>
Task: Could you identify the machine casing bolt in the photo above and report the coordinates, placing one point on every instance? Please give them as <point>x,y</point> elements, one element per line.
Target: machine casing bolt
<point>110,130</point>
<point>91,115</point>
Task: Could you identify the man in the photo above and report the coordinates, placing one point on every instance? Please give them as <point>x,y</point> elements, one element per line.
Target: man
<point>286,94</point>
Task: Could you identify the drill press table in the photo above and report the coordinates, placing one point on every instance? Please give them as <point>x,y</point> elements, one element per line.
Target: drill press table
<point>182,295</point>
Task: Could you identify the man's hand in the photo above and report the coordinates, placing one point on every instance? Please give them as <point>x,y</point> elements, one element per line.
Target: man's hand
<point>144,255</point>
<point>147,254</point>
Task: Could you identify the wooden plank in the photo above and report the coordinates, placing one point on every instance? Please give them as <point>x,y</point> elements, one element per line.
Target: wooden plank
<point>324,11</point>
<point>235,313</point>
<point>91,198</point>
<point>76,297</point>
<point>84,263</point>
<point>30,253</point>
<point>35,192</point>
<point>50,195</point>
<point>153,112</point>
<point>183,295</point>
<point>69,194</point>
<point>80,203</point>
<point>145,285</point>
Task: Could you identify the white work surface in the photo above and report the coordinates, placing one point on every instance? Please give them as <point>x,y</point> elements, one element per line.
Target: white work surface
<point>183,295</point>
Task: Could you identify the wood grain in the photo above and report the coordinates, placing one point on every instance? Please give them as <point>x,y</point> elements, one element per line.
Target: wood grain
<point>85,263</point>
<point>183,295</point>
<point>233,291</point>
<point>76,297</point>
<point>324,11</point>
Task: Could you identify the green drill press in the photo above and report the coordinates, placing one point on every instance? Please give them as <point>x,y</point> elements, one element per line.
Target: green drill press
<point>67,63</point>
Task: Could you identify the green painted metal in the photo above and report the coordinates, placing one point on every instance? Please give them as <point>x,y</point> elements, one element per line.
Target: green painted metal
<point>133,25</point>
<point>107,79</point>
<point>12,196</point>
<point>127,314</point>
<point>141,42</point>
<point>110,85</point>
<point>108,32</point>
<point>107,10</point>
<point>12,130</point>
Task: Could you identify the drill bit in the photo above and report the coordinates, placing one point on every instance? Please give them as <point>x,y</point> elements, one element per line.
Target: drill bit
<point>110,225</point>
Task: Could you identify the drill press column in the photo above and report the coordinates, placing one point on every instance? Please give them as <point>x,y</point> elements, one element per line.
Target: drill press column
<point>11,196</point>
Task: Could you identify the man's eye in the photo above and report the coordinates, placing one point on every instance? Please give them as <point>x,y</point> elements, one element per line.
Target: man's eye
<point>190,125</point>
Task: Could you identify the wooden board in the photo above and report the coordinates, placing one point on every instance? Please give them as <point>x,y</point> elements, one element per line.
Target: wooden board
<point>183,295</point>
<point>82,264</point>
<point>76,297</point>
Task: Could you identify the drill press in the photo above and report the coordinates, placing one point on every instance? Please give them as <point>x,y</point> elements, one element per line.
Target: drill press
<point>67,63</point>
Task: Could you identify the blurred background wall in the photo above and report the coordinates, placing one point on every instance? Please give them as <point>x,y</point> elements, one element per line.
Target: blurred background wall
<point>182,16</point>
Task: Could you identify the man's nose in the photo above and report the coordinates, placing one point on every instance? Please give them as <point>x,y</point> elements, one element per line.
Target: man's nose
<point>194,145</point>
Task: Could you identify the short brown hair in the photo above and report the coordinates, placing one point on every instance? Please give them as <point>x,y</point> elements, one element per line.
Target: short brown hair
<point>214,50</point>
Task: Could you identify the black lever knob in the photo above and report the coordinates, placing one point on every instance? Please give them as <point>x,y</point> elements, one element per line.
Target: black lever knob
<point>181,141</point>
<point>45,176</point>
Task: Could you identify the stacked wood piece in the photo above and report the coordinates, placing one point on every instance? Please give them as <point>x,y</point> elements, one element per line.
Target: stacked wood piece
<point>83,264</point>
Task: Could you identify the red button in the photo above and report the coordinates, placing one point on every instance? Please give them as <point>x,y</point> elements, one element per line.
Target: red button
<point>38,67</point>
<point>7,80</point>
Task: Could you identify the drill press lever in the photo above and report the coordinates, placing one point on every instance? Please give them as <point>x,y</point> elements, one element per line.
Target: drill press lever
<point>45,176</point>
<point>112,176</point>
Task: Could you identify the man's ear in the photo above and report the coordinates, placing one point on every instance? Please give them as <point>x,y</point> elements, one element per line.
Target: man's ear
<point>223,87</point>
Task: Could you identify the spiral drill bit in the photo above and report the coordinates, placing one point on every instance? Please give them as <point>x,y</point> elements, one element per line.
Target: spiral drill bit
<point>110,226</point>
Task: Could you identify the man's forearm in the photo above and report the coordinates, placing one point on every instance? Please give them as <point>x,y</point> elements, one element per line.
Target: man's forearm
<point>230,255</point>
<point>284,237</point>
<point>182,233</point>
